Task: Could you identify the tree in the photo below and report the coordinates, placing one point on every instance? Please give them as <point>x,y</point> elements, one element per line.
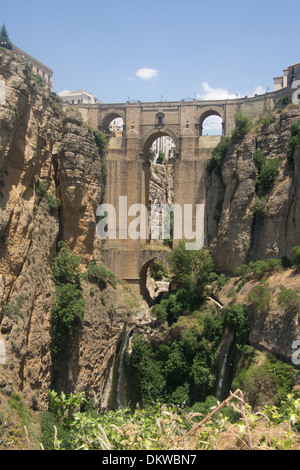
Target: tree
<point>243,125</point>
<point>4,39</point>
<point>192,272</point>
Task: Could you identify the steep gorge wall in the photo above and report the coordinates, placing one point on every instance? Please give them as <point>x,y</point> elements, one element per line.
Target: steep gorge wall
<point>47,155</point>
<point>236,233</point>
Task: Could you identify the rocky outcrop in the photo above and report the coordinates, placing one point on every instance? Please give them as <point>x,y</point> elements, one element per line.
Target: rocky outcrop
<point>51,183</point>
<point>236,232</point>
<point>276,328</point>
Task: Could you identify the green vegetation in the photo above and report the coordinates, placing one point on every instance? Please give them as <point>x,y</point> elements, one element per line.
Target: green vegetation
<point>218,155</point>
<point>243,125</point>
<point>72,425</point>
<point>13,309</point>
<point>53,203</point>
<point>158,270</point>
<point>4,39</point>
<point>259,206</point>
<point>184,370</point>
<point>267,170</point>
<point>259,297</point>
<point>268,173</point>
<point>261,375</point>
<point>289,300</point>
<point>68,313</point>
<point>292,143</point>
<point>296,256</point>
<point>101,275</point>
<point>161,158</point>
<point>259,160</point>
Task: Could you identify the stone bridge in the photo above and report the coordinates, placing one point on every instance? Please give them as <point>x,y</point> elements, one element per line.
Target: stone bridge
<point>128,166</point>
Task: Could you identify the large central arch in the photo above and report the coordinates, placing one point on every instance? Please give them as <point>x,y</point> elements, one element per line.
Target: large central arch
<point>155,133</point>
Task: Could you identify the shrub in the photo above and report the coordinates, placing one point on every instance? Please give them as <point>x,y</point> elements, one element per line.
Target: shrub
<point>54,204</point>
<point>266,120</point>
<point>268,173</point>
<point>289,300</point>
<point>259,206</point>
<point>296,256</point>
<point>235,319</point>
<point>41,188</point>
<point>68,313</point>
<point>218,155</point>
<point>264,379</point>
<point>161,158</point>
<point>243,125</point>
<point>259,160</point>
<point>101,275</point>
<point>285,101</point>
<point>259,297</point>
<point>65,265</point>
<point>158,270</point>
<point>259,268</point>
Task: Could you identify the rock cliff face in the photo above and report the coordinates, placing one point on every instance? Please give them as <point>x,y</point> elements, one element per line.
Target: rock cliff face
<point>236,232</point>
<point>51,182</point>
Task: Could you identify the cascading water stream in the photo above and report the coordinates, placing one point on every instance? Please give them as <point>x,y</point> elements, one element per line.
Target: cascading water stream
<point>224,369</point>
<point>222,378</point>
<point>120,385</point>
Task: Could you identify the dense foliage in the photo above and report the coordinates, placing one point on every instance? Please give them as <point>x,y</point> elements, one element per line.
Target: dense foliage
<point>68,312</point>
<point>71,425</point>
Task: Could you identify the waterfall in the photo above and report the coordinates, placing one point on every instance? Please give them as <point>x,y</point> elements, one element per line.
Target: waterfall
<point>120,384</point>
<point>225,363</point>
<point>222,378</point>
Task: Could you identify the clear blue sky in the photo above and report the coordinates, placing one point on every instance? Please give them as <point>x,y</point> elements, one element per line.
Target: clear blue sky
<point>188,48</point>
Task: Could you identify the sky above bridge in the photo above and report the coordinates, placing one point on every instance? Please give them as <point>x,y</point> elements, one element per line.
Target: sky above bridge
<point>158,50</point>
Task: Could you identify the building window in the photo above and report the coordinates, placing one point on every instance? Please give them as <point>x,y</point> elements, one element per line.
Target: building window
<point>160,119</point>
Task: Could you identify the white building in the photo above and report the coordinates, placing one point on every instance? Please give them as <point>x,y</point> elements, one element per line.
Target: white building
<point>164,144</point>
<point>78,97</point>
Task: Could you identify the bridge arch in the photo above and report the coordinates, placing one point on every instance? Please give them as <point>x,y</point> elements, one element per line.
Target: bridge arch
<point>146,259</point>
<point>208,112</point>
<point>153,134</point>
<point>110,116</point>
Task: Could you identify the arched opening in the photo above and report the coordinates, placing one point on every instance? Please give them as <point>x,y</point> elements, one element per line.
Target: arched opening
<point>211,123</point>
<point>113,124</point>
<point>160,152</point>
<point>155,280</point>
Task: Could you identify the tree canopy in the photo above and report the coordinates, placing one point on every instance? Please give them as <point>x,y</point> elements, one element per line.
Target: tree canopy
<point>4,39</point>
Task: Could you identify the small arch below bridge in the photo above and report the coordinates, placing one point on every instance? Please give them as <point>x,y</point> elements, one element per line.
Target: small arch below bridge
<point>150,289</point>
